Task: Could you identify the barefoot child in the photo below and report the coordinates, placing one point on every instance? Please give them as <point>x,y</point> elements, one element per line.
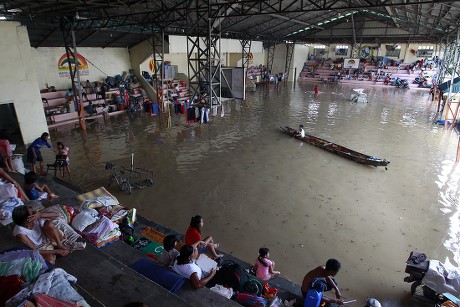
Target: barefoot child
<point>170,252</point>
<point>35,191</point>
<point>263,266</point>
<point>63,157</point>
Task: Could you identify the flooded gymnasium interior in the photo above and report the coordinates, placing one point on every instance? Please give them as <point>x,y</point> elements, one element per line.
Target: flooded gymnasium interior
<point>165,110</point>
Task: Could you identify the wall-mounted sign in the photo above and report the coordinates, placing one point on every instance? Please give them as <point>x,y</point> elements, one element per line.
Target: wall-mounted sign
<point>351,63</point>
<point>64,62</point>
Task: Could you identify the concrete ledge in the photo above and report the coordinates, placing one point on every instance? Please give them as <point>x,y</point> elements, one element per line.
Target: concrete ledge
<point>105,278</point>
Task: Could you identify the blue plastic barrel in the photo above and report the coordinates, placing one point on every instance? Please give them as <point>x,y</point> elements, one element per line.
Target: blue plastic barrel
<point>156,109</point>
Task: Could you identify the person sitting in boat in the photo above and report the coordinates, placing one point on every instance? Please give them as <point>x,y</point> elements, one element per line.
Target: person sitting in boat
<point>301,132</point>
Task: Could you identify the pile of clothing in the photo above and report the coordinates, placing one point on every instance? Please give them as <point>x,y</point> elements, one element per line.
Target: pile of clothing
<point>26,277</point>
<point>98,217</point>
<point>8,201</point>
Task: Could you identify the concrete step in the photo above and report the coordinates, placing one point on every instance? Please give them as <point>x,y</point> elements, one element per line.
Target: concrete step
<point>105,280</point>
<point>195,297</point>
<point>104,275</point>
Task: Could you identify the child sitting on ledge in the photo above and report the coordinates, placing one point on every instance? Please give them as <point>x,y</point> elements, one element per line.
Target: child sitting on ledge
<point>35,191</point>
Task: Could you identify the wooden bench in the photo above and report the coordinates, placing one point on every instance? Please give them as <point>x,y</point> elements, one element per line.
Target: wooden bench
<point>53,95</point>
<point>56,102</point>
<point>59,118</point>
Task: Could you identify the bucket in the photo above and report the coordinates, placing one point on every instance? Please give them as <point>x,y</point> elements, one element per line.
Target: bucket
<point>156,109</point>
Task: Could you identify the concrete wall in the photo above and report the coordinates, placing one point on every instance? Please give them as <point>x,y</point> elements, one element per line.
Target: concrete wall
<point>19,80</point>
<point>279,60</point>
<point>138,55</point>
<point>112,61</point>
<point>178,44</point>
<point>300,56</point>
<point>230,53</point>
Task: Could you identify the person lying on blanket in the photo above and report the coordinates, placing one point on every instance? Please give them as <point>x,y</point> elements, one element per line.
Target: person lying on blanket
<point>37,233</point>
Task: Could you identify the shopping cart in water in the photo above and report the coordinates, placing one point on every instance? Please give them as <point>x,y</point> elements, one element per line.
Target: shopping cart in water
<point>128,178</point>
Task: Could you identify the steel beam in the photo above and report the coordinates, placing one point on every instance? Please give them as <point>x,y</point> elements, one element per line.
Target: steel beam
<point>69,40</point>
<point>87,36</point>
<point>289,55</point>
<point>45,38</point>
<point>245,54</point>
<point>270,56</point>
<point>204,53</point>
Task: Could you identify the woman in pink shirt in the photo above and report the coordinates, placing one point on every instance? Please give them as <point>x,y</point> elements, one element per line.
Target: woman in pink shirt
<point>5,151</point>
<point>264,267</point>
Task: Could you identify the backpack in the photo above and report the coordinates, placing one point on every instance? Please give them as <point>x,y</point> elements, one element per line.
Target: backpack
<point>253,286</point>
<point>230,274</point>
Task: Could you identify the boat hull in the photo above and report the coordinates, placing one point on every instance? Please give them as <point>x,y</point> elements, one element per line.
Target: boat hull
<point>337,149</point>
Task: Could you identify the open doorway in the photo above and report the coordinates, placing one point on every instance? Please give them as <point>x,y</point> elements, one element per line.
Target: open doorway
<point>9,123</point>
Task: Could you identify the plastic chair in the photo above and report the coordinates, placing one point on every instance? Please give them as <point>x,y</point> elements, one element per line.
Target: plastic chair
<point>58,165</point>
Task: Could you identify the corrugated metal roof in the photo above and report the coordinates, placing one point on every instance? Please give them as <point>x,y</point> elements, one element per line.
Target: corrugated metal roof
<point>118,23</point>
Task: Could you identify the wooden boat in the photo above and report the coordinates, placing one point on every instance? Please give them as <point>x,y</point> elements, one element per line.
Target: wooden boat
<point>337,149</point>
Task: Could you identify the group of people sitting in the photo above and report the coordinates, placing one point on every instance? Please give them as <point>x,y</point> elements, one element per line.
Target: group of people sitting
<point>183,262</point>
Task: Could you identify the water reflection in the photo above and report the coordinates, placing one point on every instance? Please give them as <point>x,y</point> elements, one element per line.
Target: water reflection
<point>448,180</point>
<point>305,204</point>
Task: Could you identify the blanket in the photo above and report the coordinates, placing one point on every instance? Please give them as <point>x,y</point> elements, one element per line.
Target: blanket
<point>166,278</point>
<point>24,262</point>
<point>442,277</point>
<point>94,194</point>
<point>56,283</point>
<point>153,234</point>
<point>148,247</point>
<point>7,207</point>
<point>104,202</point>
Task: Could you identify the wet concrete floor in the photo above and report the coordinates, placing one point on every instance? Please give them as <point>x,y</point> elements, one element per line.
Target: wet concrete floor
<point>257,187</point>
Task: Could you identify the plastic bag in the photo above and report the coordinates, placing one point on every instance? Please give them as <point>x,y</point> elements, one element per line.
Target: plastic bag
<point>268,292</point>
<point>226,292</point>
<point>18,164</point>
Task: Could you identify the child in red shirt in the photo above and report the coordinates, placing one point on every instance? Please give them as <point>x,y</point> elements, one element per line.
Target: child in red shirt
<point>193,235</point>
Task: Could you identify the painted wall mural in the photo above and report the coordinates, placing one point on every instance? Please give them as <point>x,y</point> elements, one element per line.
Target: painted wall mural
<point>64,62</point>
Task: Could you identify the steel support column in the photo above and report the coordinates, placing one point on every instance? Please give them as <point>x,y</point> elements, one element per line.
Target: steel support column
<point>448,70</point>
<point>215,64</point>
<point>72,56</point>
<point>204,54</point>
<point>443,69</point>
<point>245,54</point>
<point>157,41</point>
<point>270,56</point>
<point>358,28</point>
<point>289,56</point>
<point>453,70</point>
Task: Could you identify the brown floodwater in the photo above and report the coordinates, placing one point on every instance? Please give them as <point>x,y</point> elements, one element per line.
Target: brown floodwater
<point>257,187</point>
